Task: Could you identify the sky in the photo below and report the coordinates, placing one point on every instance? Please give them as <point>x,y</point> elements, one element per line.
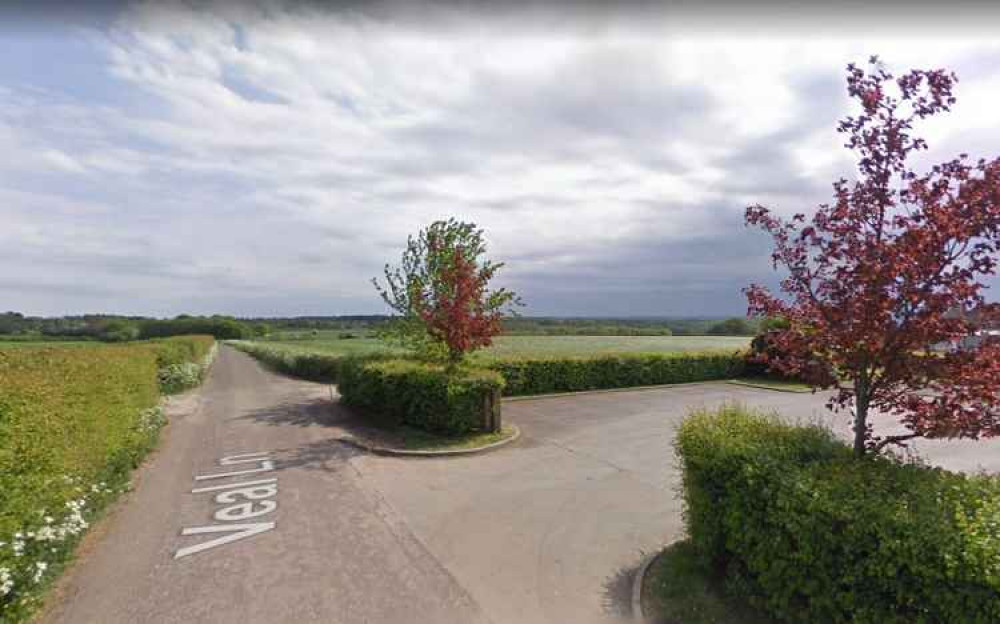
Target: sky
<point>268,158</point>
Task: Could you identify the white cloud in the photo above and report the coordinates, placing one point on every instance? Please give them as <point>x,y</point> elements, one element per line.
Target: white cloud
<point>288,153</point>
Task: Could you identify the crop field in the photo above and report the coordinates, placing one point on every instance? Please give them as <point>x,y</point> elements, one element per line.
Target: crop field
<point>4,344</point>
<point>513,347</point>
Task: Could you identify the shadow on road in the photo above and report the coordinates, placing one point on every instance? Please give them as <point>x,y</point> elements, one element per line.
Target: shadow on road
<point>329,455</point>
<point>617,598</point>
<point>301,413</point>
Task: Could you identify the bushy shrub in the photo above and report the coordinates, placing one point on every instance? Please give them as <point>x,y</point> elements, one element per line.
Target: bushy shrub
<point>541,376</point>
<point>182,361</point>
<point>420,394</point>
<point>811,534</point>
<point>73,422</point>
<point>179,377</point>
<point>714,447</point>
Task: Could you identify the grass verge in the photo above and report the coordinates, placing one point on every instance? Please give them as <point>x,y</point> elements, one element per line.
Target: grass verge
<point>678,589</point>
<point>413,439</point>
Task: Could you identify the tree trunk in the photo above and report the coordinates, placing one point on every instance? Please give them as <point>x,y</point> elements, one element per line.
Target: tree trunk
<point>860,418</point>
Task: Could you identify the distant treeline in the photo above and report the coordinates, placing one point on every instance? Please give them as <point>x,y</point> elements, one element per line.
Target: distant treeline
<point>543,326</point>
<point>114,328</point>
<point>539,326</point>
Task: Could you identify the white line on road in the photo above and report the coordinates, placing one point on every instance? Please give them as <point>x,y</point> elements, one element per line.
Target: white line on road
<point>257,502</point>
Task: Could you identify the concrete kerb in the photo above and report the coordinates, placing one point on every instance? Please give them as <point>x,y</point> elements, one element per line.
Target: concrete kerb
<point>746,384</point>
<point>558,395</point>
<point>395,452</point>
<point>637,582</point>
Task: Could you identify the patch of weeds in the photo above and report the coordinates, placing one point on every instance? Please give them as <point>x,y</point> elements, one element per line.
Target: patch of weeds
<point>680,589</point>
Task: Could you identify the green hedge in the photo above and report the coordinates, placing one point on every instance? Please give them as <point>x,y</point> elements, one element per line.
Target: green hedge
<point>419,394</point>
<point>542,376</point>
<point>74,421</point>
<point>311,366</point>
<point>811,534</point>
<point>535,376</point>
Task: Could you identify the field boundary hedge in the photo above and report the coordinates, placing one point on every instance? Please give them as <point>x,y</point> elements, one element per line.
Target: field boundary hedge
<point>809,533</point>
<point>74,422</point>
<point>423,395</point>
<point>534,376</point>
<point>527,377</point>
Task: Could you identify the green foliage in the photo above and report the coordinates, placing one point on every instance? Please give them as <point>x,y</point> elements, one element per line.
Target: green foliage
<point>535,326</point>
<point>731,327</point>
<point>420,394</point>
<point>524,375</point>
<point>523,347</point>
<point>716,446</point>
<point>811,534</point>
<point>222,328</point>
<point>440,293</point>
<point>541,376</point>
<point>410,334</point>
<point>69,418</point>
<point>119,331</point>
<point>679,587</point>
<point>773,323</point>
<point>73,423</point>
<point>181,361</point>
<point>324,367</point>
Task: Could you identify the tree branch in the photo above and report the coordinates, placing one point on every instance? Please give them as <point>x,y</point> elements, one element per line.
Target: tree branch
<point>896,439</point>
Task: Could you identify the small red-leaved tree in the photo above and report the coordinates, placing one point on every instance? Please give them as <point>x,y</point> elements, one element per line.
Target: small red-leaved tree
<point>441,292</point>
<point>874,279</point>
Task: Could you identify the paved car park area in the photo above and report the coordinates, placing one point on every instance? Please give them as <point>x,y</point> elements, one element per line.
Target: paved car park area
<point>550,529</point>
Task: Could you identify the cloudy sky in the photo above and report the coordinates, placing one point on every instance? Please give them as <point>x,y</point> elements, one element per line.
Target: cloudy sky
<point>268,158</point>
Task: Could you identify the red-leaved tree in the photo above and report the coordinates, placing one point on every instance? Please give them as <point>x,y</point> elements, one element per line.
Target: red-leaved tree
<point>884,274</point>
<point>441,292</point>
<point>459,316</point>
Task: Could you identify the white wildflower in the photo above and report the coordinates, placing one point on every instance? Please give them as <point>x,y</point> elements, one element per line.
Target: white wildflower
<point>40,568</point>
<point>6,582</point>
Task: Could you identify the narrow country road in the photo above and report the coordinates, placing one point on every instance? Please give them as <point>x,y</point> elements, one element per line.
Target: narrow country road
<point>336,554</point>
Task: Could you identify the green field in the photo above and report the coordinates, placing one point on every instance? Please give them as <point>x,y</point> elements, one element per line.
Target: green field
<point>47,343</point>
<point>510,347</point>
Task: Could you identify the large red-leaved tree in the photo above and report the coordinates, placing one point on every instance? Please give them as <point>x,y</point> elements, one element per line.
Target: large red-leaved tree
<point>874,279</point>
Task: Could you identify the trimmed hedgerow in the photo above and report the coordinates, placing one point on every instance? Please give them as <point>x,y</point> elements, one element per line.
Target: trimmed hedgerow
<point>311,366</point>
<point>419,394</point>
<point>528,376</point>
<point>74,421</point>
<point>810,534</point>
<point>542,376</point>
<point>71,423</point>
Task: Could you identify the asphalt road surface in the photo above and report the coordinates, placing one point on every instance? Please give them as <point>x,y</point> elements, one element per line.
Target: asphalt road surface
<point>548,530</point>
<point>337,552</point>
